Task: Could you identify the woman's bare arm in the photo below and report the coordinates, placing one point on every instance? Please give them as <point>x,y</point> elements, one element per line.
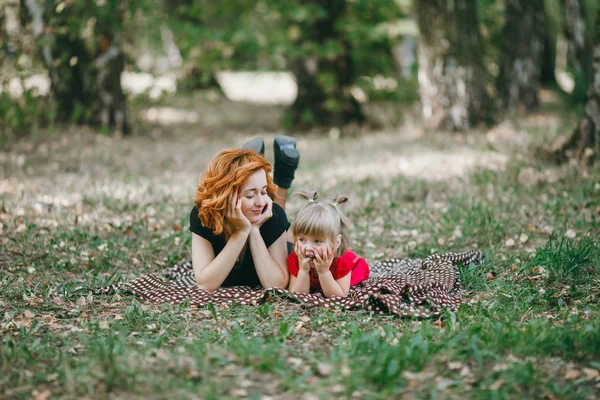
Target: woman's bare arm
<point>271,263</point>
<point>211,271</point>
<point>333,287</point>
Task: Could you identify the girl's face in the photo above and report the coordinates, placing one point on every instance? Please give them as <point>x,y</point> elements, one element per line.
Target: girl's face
<point>310,244</point>
<point>254,196</point>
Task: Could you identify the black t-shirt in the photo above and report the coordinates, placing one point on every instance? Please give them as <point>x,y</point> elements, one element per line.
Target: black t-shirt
<point>244,272</point>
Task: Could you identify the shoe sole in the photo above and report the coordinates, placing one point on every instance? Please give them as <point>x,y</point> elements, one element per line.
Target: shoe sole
<point>285,150</point>
<point>256,144</point>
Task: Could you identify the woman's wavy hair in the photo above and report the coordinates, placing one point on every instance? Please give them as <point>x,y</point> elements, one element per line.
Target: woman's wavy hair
<point>322,218</point>
<point>226,172</point>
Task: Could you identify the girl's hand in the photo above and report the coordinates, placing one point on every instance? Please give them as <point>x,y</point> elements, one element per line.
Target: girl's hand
<point>234,213</point>
<point>323,260</point>
<point>303,262</point>
<point>266,214</point>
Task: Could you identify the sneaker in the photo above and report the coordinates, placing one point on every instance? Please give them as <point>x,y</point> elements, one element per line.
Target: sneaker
<point>257,144</point>
<point>287,159</point>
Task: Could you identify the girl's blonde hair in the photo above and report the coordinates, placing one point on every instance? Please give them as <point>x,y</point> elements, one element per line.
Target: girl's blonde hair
<point>322,218</point>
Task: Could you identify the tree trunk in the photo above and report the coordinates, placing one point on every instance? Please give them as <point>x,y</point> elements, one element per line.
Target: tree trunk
<point>547,75</point>
<point>579,53</point>
<point>518,82</point>
<point>85,74</point>
<point>324,81</point>
<point>585,140</point>
<point>452,78</point>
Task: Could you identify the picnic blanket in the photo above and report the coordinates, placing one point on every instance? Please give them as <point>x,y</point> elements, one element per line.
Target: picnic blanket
<point>404,287</point>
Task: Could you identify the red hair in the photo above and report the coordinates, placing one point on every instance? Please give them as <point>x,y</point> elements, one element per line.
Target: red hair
<point>227,171</point>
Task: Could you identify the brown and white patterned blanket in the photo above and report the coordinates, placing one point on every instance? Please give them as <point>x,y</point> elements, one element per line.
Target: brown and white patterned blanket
<point>404,287</point>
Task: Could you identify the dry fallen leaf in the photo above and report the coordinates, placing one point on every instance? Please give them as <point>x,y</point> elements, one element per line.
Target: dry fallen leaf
<point>496,385</point>
<point>103,325</point>
<point>572,374</point>
<point>455,365</point>
<point>239,393</point>
<point>412,383</point>
<point>509,242</point>
<point>490,276</point>
<point>324,369</point>
<point>295,362</point>
<point>591,373</point>
<point>43,395</point>
<point>28,314</point>
<point>338,389</point>
<point>538,270</point>
<point>514,267</point>
<point>345,370</point>
<point>523,238</point>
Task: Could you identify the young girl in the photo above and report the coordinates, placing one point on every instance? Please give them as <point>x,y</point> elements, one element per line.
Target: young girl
<point>321,259</point>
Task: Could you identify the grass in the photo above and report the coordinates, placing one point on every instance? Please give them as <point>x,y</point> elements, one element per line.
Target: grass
<point>529,327</point>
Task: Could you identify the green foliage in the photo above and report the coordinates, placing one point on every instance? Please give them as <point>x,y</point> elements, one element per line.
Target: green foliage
<point>18,116</point>
<point>567,261</point>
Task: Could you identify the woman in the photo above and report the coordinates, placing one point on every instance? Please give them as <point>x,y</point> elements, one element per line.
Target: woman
<point>238,232</point>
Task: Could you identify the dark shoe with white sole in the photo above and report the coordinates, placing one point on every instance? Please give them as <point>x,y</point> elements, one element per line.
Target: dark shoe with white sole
<point>287,159</point>
<point>256,144</point>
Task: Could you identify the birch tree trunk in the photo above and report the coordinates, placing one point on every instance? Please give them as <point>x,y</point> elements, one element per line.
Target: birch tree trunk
<point>518,83</point>
<point>585,140</point>
<point>452,78</point>
<point>579,53</point>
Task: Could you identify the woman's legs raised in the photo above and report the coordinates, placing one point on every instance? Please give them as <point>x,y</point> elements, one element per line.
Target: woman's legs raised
<point>287,159</point>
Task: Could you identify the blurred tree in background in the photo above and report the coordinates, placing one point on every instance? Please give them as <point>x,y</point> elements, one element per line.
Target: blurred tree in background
<point>585,140</point>
<point>477,59</point>
<point>578,32</point>
<point>80,45</point>
<point>518,83</point>
<point>452,75</point>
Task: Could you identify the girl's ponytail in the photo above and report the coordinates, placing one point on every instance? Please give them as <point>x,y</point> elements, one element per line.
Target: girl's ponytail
<point>309,195</point>
<point>340,199</point>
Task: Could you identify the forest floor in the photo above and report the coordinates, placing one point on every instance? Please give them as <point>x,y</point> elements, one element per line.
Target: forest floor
<point>77,208</point>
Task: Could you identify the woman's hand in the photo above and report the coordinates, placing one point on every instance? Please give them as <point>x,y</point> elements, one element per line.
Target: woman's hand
<point>323,260</point>
<point>235,215</point>
<point>303,262</point>
<point>266,214</point>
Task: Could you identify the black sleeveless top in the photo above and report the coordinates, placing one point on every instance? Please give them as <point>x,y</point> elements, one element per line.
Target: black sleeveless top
<point>243,272</point>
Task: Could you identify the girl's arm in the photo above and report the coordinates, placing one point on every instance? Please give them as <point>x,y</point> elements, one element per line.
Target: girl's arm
<point>271,263</point>
<point>211,271</point>
<point>332,287</point>
<point>300,283</point>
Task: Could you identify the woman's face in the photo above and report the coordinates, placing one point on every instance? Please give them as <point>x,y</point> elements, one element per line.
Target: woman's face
<point>254,196</point>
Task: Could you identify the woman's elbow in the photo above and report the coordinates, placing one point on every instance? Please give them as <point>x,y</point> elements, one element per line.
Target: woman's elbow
<point>205,286</point>
<point>339,294</point>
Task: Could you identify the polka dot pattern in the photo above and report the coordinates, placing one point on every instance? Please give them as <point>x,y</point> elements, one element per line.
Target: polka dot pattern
<point>404,287</point>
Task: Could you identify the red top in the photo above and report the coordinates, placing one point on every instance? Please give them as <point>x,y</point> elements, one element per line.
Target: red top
<point>340,267</point>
